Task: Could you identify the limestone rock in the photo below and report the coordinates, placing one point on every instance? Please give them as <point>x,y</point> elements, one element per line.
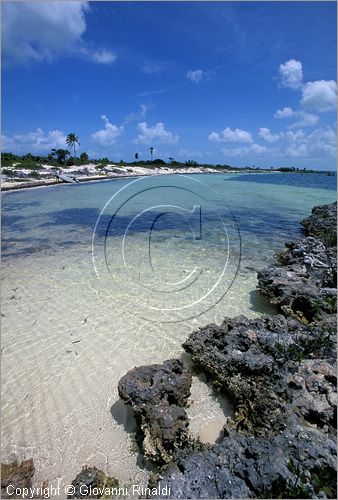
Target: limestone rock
<point>158,394</point>
<point>18,475</point>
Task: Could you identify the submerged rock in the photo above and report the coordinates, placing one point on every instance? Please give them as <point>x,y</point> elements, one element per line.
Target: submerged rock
<point>93,483</point>
<point>16,475</point>
<point>158,395</point>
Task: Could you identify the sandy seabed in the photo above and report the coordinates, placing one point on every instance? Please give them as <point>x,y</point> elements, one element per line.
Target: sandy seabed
<point>65,344</point>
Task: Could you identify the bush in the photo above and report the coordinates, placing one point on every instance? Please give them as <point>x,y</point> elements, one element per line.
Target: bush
<point>35,175</point>
<point>29,165</point>
<point>84,158</point>
<point>8,159</point>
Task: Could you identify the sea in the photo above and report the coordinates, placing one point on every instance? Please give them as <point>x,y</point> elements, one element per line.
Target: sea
<point>100,277</point>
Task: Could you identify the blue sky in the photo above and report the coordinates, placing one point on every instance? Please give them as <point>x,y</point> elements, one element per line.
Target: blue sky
<point>216,82</point>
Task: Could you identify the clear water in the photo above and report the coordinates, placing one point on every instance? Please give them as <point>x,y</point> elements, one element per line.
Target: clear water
<point>92,287</point>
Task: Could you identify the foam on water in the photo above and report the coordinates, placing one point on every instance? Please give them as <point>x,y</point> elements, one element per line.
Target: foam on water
<point>66,340</point>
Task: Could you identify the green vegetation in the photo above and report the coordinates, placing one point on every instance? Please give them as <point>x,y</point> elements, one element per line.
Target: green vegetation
<point>62,157</point>
<point>59,155</point>
<point>84,158</point>
<point>318,345</point>
<point>71,140</point>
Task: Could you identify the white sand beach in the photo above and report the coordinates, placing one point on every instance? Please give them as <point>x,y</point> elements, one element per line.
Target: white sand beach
<point>89,172</point>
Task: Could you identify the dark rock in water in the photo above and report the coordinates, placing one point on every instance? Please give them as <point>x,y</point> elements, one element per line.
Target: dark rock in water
<point>18,475</point>
<point>251,361</point>
<point>322,224</point>
<point>297,463</point>
<point>158,394</point>
<point>304,284</point>
<point>92,483</point>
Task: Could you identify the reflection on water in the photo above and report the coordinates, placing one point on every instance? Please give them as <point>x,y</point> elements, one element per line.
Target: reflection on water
<point>66,341</point>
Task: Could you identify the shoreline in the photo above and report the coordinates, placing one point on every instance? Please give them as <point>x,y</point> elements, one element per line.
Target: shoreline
<point>8,186</point>
<point>42,183</point>
<point>277,371</point>
<point>39,183</point>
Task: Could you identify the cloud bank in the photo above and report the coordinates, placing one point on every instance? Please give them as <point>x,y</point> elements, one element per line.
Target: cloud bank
<point>40,31</point>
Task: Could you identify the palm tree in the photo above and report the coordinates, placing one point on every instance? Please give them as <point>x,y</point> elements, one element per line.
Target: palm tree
<point>71,141</point>
<point>151,153</point>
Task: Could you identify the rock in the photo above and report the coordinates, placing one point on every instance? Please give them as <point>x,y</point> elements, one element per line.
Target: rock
<point>92,483</point>
<point>279,372</point>
<point>303,285</point>
<point>18,475</point>
<point>158,395</point>
<point>322,224</point>
<point>314,394</point>
<point>251,360</point>
<point>297,463</point>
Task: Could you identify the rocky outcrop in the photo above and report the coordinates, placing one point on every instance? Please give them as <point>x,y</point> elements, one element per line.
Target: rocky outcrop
<point>264,366</point>
<point>304,282</point>
<point>158,395</point>
<point>322,224</point>
<point>281,377</point>
<point>94,483</point>
<point>16,476</point>
<point>314,394</point>
<point>279,373</point>
<point>297,463</point>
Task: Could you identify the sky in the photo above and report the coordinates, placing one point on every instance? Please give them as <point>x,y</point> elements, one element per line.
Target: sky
<point>237,83</point>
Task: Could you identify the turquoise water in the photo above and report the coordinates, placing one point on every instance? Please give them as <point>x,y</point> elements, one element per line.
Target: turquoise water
<point>265,206</point>
<point>100,277</point>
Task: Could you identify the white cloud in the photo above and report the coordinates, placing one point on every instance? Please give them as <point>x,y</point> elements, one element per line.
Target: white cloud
<point>39,31</point>
<point>296,151</point>
<point>320,143</point>
<point>295,136</point>
<point>253,149</point>
<point>108,135</point>
<point>327,135</point>
<point>320,95</point>
<point>195,75</point>
<point>256,148</point>
<point>157,133</point>
<point>34,142</point>
<point>214,136</point>
<point>265,134</point>
<point>305,120</point>
<point>291,74</point>
<point>154,67</point>
<point>231,136</point>
<point>138,115</point>
<point>103,56</point>
<point>284,113</point>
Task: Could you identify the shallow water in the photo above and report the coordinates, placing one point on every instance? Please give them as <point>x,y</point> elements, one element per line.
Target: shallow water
<point>80,306</point>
